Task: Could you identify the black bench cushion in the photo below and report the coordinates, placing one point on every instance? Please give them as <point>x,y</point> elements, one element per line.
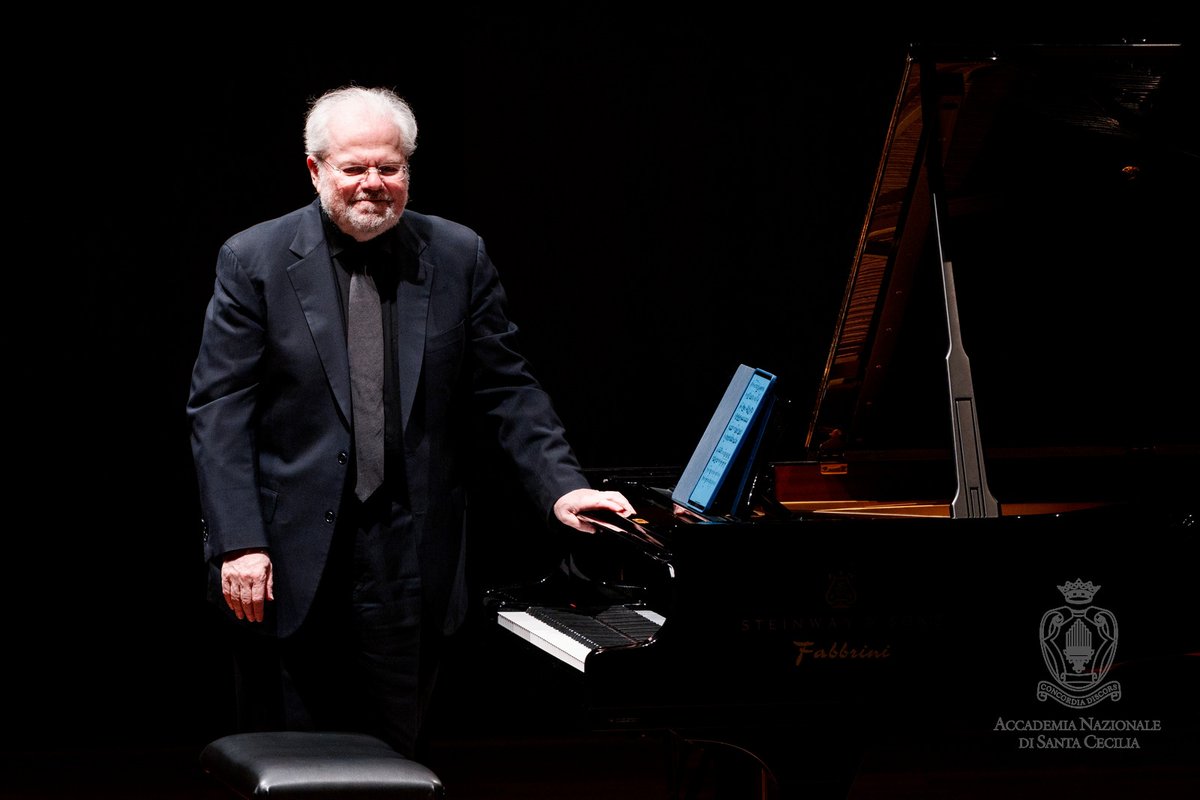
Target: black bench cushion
<point>297,765</point>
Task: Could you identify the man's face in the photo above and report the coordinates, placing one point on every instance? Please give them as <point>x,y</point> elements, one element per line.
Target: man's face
<point>362,206</point>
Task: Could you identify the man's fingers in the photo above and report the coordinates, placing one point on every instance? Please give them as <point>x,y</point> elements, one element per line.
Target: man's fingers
<point>246,583</point>
<point>246,598</point>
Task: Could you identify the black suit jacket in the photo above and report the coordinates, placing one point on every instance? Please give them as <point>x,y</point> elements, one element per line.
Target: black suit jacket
<point>270,413</point>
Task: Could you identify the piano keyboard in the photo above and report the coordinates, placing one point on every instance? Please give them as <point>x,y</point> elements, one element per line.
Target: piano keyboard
<point>570,636</point>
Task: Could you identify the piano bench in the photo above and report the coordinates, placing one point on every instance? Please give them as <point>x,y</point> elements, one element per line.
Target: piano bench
<point>289,765</point>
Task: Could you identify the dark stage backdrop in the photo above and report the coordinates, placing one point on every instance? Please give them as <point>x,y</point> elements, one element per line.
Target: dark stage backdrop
<point>664,198</point>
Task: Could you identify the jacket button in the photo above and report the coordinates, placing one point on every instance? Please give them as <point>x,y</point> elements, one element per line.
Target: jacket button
<point>343,457</point>
<point>329,516</point>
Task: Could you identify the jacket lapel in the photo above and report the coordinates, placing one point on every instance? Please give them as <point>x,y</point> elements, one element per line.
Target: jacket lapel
<point>413,307</point>
<point>316,289</point>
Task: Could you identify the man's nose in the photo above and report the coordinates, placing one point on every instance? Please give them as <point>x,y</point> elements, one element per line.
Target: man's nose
<point>372,178</point>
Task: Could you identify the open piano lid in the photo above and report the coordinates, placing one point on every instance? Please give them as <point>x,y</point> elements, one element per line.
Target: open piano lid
<point>1063,178</point>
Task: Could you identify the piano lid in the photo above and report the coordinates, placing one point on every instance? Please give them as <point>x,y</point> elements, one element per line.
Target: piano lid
<point>1068,185</point>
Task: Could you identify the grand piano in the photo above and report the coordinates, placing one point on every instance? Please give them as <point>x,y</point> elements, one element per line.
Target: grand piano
<point>968,572</point>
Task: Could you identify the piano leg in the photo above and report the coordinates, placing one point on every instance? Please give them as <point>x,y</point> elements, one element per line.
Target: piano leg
<point>708,768</point>
<point>771,766</point>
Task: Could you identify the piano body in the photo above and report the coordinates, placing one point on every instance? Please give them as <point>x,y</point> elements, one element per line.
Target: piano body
<point>935,595</point>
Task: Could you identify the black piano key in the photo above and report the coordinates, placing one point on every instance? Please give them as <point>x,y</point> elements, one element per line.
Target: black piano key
<point>629,621</point>
<point>612,627</point>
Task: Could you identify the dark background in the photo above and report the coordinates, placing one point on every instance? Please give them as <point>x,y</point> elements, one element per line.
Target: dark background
<point>665,197</point>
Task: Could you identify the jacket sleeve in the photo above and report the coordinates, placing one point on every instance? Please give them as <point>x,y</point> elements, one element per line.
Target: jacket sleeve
<point>221,408</point>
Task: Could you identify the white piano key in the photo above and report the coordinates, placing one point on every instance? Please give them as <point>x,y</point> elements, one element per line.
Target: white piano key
<point>545,637</point>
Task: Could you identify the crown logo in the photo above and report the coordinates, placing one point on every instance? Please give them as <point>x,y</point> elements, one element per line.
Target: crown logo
<point>1077,592</point>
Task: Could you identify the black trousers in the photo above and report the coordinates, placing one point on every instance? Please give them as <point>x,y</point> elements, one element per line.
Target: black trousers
<point>365,659</point>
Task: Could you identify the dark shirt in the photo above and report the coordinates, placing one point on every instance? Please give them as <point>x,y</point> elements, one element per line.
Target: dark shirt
<point>381,257</point>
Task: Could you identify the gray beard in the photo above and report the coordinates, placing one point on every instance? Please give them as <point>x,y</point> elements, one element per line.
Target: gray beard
<point>361,226</point>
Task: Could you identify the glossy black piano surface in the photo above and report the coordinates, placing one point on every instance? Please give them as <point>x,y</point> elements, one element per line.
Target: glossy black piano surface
<point>1048,639</point>
<point>886,631</point>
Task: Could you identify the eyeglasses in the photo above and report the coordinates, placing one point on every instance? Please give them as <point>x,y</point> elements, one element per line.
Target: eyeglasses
<point>400,171</point>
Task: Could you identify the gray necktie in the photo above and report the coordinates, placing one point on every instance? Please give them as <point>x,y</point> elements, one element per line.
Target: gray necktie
<point>365,345</point>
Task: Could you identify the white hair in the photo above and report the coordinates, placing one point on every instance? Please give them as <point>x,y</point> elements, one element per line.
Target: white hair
<point>384,101</point>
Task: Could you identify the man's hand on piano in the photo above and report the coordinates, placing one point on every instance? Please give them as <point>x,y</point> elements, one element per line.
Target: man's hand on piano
<point>580,501</point>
